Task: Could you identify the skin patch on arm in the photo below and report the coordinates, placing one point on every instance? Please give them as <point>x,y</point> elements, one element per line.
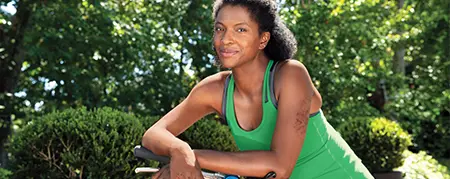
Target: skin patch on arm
<point>301,118</point>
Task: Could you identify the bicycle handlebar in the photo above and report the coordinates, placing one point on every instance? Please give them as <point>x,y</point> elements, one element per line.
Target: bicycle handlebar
<point>143,153</point>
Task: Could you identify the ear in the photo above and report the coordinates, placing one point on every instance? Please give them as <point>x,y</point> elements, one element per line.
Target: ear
<point>265,37</point>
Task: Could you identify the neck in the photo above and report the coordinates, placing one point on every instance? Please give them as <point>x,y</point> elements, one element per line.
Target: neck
<point>249,77</point>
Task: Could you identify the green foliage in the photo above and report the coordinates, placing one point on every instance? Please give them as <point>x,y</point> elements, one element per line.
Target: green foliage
<point>148,121</point>
<point>348,48</point>
<point>77,143</point>
<point>429,135</point>
<point>137,56</point>
<point>198,38</point>
<point>4,173</point>
<point>423,104</point>
<point>379,142</point>
<point>344,46</point>
<point>349,108</point>
<point>445,162</point>
<point>209,134</point>
<point>422,166</point>
<point>108,53</point>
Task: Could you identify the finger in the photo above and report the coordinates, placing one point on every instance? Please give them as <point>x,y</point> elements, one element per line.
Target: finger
<point>162,173</point>
<point>165,173</point>
<point>156,175</point>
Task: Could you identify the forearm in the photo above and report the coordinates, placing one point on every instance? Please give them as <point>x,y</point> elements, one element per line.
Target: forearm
<point>183,163</point>
<point>161,142</point>
<point>247,163</point>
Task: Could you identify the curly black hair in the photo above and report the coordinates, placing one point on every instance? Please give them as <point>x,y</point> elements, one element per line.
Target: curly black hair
<point>282,44</point>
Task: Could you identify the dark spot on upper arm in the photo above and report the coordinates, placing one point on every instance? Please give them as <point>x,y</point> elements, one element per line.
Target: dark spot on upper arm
<point>302,115</point>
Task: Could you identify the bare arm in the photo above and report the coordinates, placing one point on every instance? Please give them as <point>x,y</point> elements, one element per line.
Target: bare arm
<point>161,137</point>
<point>292,120</point>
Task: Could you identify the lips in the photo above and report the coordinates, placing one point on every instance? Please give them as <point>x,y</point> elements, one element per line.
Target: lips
<point>228,52</point>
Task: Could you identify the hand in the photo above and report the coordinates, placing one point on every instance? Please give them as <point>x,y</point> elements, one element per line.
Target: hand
<point>163,173</point>
<point>184,165</point>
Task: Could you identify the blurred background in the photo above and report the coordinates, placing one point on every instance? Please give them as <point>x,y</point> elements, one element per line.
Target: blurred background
<point>81,80</point>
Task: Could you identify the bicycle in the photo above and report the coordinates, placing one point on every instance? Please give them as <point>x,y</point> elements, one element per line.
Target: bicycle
<point>145,154</point>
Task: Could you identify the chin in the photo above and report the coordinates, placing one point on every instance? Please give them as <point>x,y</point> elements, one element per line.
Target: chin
<point>227,63</point>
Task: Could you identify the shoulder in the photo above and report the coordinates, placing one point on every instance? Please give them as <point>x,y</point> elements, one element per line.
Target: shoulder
<point>292,76</point>
<point>212,83</point>
<point>210,90</point>
<point>292,71</point>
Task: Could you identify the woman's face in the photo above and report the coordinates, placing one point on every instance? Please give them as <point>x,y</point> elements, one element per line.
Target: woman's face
<point>236,36</point>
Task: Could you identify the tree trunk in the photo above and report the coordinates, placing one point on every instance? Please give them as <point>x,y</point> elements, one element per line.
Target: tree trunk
<point>447,51</point>
<point>10,65</point>
<point>379,97</point>
<point>398,59</point>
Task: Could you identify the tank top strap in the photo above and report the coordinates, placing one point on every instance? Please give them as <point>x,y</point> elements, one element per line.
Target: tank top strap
<point>224,98</point>
<point>266,84</point>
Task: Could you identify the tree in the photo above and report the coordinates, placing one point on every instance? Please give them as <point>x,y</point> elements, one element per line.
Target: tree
<point>12,55</point>
<point>344,46</point>
<point>113,53</point>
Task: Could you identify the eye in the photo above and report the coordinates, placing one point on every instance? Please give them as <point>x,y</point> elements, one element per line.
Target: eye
<point>218,29</point>
<point>241,30</point>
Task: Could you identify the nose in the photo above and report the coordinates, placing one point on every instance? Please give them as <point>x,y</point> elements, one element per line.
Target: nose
<point>227,37</point>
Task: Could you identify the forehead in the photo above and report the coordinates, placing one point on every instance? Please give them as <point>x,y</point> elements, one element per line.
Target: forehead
<point>233,14</point>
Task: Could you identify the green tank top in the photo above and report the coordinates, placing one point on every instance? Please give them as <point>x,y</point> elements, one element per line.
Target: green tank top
<point>324,153</point>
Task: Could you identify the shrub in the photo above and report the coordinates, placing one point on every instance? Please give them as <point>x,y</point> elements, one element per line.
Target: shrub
<point>209,134</point>
<point>148,121</point>
<point>348,109</point>
<point>379,142</point>
<point>77,143</point>
<point>422,166</point>
<point>4,173</point>
<point>429,135</point>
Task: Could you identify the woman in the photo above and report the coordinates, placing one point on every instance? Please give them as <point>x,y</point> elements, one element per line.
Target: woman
<point>269,102</point>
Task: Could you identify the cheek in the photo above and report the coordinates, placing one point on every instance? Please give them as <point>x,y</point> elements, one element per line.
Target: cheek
<point>216,41</point>
<point>251,44</point>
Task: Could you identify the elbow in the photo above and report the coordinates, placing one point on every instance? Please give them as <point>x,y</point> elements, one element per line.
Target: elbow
<point>150,141</point>
<point>283,174</point>
<point>283,170</point>
<point>146,138</point>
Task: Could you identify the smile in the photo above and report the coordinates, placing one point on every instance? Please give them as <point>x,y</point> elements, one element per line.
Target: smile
<point>228,53</point>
